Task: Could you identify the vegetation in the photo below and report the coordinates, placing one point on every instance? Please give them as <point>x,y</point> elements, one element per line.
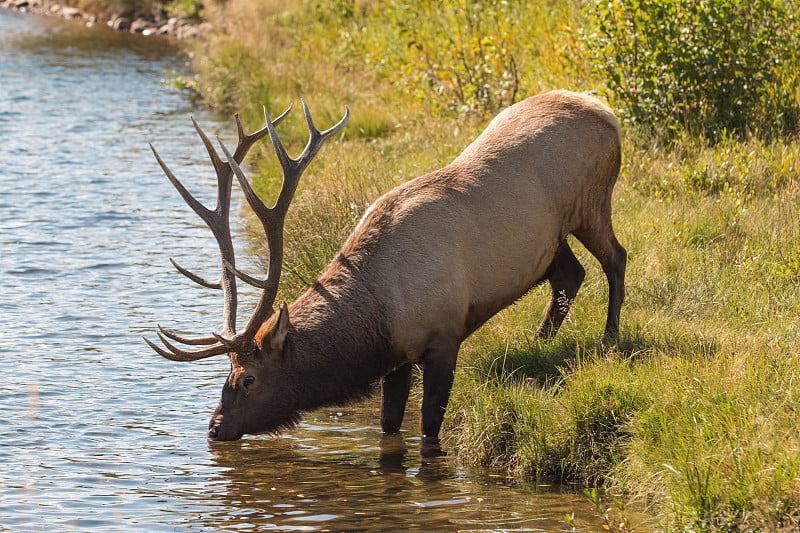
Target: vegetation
<point>713,66</point>
<point>694,413</point>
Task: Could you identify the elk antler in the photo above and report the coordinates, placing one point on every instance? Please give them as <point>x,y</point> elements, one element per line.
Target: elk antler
<point>272,220</point>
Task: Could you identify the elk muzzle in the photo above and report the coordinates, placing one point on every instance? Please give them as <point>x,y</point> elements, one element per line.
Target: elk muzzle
<point>217,430</point>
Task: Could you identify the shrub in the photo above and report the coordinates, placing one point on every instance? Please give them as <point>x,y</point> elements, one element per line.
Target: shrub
<point>713,66</point>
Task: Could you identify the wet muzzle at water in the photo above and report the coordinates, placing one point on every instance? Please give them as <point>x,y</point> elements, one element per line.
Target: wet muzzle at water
<point>216,430</point>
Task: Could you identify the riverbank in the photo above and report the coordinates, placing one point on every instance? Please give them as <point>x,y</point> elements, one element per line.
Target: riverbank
<point>159,24</point>
<point>694,412</point>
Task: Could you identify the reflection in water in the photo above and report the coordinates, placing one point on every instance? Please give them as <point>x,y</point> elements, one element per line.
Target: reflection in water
<point>101,434</point>
<point>321,479</point>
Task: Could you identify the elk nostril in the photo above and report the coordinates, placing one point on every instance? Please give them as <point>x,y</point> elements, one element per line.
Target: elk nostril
<point>213,427</point>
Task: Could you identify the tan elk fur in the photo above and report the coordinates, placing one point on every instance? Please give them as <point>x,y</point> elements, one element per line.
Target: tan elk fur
<point>446,251</point>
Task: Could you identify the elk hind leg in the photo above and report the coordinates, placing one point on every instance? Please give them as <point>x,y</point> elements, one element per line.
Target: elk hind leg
<point>395,387</point>
<point>613,258</point>
<point>565,275</point>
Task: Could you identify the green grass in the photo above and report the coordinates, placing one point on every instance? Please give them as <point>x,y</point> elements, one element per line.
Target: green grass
<point>694,414</point>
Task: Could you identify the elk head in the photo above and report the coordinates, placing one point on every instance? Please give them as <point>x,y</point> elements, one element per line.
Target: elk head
<point>255,352</point>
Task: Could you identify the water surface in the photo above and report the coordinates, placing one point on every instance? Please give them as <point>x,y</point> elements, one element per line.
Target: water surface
<point>100,433</point>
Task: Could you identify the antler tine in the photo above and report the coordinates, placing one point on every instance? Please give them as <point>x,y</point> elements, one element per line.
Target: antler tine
<point>250,280</point>
<point>220,167</point>
<point>316,138</point>
<point>253,137</point>
<point>201,341</point>
<point>264,214</point>
<point>182,355</point>
<point>230,344</point>
<point>160,351</point>
<point>330,131</point>
<point>333,130</point>
<point>176,354</point>
<point>283,158</point>
<point>196,206</point>
<point>194,277</point>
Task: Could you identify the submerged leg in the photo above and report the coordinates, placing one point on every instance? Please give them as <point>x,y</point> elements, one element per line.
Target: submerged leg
<point>437,380</point>
<point>394,389</point>
<point>565,275</point>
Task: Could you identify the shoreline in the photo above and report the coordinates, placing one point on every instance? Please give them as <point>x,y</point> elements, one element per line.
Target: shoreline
<point>154,25</point>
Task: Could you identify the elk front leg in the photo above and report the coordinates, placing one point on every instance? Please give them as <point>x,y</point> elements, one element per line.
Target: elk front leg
<point>394,390</point>
<point>437,380</point>
<point>565,275</point>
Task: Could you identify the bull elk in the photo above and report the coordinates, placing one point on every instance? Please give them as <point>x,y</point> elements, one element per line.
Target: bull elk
<point>429,263</point>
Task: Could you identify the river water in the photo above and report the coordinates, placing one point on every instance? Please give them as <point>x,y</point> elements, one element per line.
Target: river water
<point>102,434</point>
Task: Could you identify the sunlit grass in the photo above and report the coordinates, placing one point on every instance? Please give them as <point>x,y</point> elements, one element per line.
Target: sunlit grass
<point>694,412</point>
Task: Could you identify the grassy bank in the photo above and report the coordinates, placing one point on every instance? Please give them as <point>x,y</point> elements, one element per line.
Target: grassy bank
<point>694,413</point>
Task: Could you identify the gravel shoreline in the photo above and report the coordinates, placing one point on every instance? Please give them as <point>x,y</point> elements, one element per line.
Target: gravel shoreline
<point>159,25</point>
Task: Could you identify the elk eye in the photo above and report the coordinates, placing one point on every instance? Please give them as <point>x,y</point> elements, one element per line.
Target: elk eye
<point>249,380</point>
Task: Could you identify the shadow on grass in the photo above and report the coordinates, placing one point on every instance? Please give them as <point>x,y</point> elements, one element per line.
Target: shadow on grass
<point>546,361</point>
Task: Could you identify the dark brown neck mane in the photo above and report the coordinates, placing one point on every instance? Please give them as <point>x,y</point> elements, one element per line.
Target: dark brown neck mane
<point>338,346</point>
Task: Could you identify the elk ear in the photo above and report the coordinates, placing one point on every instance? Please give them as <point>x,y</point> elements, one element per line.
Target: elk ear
<point>277,336</point>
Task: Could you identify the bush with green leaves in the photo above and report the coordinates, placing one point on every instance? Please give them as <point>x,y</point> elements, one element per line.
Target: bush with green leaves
<point>712,66</point>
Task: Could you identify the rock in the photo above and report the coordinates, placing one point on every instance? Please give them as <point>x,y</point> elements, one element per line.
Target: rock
<point>187,31</point>
<point>71,12</point>
<point>121,24</point>
<point>140,25</point>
